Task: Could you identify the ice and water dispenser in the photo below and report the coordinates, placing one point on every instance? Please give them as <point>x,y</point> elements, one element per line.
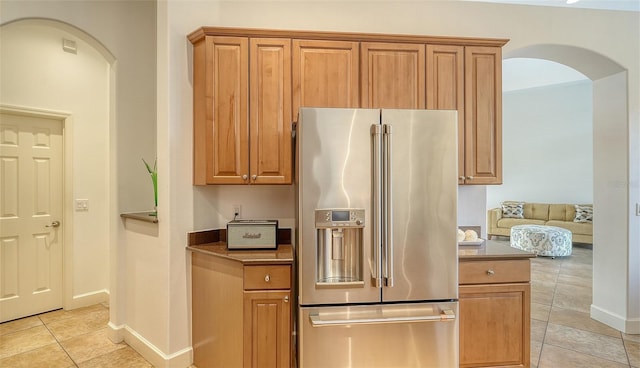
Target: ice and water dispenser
<point>339,239</point>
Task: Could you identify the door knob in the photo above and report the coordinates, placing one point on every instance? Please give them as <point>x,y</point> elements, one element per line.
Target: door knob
<point>53,224</point>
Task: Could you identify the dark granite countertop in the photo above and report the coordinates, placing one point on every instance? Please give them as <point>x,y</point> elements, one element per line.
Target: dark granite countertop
<point>213,242</point>
<point>491,250</point>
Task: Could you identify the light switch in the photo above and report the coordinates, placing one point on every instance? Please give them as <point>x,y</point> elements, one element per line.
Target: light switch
<point>82,205</point>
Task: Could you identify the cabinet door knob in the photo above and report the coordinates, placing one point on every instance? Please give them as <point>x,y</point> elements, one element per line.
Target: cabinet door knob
<point>254,177</point>
<point>244,177</point>
<point>286,299</point>
<point>470,177</point>
<point>267,278</point>
<point>460,177</point>
<point>490,272</point>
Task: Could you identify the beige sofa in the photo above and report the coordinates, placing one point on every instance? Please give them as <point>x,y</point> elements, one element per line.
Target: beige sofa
<point>560,215</point>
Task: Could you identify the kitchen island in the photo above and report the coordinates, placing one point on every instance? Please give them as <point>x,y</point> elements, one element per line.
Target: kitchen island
<point>241,302</point>
<point>495,301</point>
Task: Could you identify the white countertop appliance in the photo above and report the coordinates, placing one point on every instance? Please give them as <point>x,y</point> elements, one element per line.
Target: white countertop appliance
<point>376,238</point>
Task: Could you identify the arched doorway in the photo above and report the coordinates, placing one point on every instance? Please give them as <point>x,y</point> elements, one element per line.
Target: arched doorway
<point>614,298</point>
<point>51,68</point>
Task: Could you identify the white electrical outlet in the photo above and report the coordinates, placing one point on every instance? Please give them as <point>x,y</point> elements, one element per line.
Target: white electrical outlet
<point>237,211</point>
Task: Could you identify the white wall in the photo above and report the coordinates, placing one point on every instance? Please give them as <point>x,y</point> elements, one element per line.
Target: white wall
<point>524,25</point>
<point>123,28</point>
<point>76,84</point>
<point>547,135</point>
<point>551,26</point>
<point>127,29</point>
<point>472,204</point>
<point>613,268</point>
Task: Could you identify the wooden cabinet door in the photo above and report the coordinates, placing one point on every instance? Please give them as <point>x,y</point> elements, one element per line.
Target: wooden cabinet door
<point>445,89</point>
<point>216,311</point>
<point>270,109</point>
<point>221,126</point>
<point>267,329</point>
<point>392,75</point>
<point>495,325</point>
<point>325,74</point>
<point>483,115</point>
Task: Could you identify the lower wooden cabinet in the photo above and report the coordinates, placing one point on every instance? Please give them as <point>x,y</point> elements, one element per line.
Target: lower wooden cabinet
<point>495,300</point>
<point>241,314</point>
<point>267,329</point>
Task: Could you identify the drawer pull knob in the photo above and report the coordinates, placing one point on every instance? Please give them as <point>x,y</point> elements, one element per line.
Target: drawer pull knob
<point>286,299</point>
<point>267,278</point>
<point>490,272</point>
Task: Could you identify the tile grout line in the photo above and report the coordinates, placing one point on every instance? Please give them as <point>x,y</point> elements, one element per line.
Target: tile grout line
<point>58,342</point>
<point>567,348</point>
<point>553,296</point>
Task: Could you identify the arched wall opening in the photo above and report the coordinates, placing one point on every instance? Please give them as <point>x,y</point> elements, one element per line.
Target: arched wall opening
<point>39,74</point>
<point>614,298</point>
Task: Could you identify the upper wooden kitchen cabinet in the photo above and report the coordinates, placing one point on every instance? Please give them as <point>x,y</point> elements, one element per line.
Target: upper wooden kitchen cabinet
<point>249,85</point>
<point>392,75</point>
<point>242,110</point>
<point>445,89</point>
<point>468,79</point>
<point>270,111</point>
<point>483,115</point>
<point>325,74</point>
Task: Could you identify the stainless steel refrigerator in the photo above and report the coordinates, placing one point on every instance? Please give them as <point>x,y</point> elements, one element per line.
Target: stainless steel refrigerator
<point>376,238</point>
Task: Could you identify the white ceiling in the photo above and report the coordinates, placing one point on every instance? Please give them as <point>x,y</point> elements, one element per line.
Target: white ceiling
<point>626,5</point>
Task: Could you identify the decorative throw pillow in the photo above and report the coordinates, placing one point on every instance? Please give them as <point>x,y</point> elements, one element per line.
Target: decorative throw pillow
<point>513,209</point>
<point>584,213</point>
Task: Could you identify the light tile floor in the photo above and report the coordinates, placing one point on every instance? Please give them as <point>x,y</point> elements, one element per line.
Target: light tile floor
<point>65,339</point>
<point>562,333</point>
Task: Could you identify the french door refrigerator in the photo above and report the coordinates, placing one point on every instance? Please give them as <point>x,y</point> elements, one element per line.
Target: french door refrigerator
<point>377,254</point>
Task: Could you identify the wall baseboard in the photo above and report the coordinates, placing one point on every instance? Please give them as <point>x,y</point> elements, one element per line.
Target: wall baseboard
<point>182,358</point>
<point>85,300</point>
<point>628,326</point>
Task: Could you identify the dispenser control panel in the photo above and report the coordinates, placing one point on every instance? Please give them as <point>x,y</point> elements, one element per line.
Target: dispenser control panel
<point>344,217</point>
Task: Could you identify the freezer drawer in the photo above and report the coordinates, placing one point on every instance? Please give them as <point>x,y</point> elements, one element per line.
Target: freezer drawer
<point>397,335</point>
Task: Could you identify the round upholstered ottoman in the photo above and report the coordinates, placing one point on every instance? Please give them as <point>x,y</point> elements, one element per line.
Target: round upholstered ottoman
<point>542,240</point>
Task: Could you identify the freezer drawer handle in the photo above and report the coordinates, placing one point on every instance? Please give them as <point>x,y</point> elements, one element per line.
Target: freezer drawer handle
<point>445,315</point>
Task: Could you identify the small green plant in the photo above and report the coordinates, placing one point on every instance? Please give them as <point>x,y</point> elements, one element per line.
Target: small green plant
<point>154,178</point>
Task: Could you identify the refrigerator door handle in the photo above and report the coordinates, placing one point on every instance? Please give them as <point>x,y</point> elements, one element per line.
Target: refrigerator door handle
<point>319,321</point>
<point>376,270</point>
<point>388,204</point>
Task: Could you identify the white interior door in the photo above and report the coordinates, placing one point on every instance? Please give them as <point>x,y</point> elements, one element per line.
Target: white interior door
<point>31,236</point>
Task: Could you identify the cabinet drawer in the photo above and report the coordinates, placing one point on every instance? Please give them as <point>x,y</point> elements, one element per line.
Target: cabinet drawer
<point>492,272</point>
<point>267,277</point>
